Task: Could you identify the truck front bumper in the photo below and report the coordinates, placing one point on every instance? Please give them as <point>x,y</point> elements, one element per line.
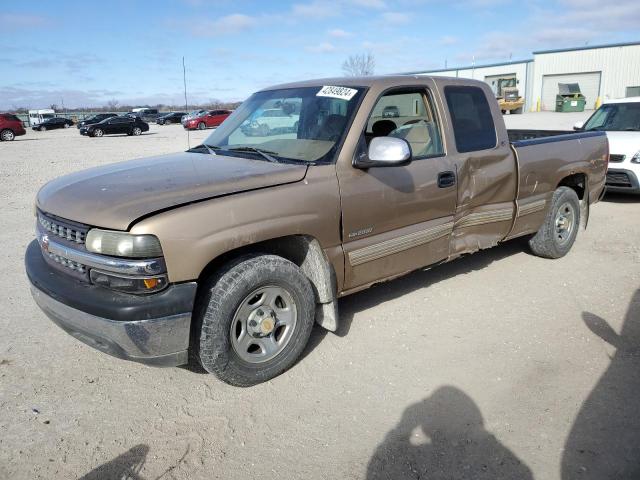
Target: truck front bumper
<point>152,329</point>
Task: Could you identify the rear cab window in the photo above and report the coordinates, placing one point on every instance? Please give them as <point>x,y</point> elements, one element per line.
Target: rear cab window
<point>471,118</point>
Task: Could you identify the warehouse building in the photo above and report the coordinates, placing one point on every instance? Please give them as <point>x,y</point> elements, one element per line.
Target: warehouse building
<point>602,72</point>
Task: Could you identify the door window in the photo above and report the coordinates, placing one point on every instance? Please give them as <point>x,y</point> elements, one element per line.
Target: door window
<point>471,118</point>
<point>407,114</point>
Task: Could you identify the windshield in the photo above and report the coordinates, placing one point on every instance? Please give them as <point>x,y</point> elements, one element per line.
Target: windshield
<point>48,115</point>
<point>297,124</point>
<point>615,117</point>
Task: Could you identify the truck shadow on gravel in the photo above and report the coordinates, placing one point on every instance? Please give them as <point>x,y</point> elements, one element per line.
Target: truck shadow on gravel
<point>621,198</point>
<point>443,437</point>
<point>604,441</point>
<point>125,466</point>
<point>384,292</point>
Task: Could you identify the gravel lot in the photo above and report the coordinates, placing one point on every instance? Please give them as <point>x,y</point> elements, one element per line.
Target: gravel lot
<point>497,365</point>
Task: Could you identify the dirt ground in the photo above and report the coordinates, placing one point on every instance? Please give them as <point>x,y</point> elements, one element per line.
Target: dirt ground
<point>497,365</point>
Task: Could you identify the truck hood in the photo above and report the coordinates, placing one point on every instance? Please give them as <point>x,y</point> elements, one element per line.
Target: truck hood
<point>624,143</point>
<point>114,196</point>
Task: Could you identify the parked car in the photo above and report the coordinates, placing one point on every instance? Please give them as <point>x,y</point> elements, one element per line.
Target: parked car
<point>272,121</point>
<point>52,123</point>
<point>208,119</point>
<point>169,118</point>
<point>10,127</point>
<point>145,114</point>
<point>621,120</point>
<point>96,119</point>
<point>229,252</point>
<point>391,111</point>
<point>115,125</point>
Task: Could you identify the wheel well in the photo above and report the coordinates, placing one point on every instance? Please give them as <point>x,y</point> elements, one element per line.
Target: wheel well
<point>306,253</point>
<point>577,181</point>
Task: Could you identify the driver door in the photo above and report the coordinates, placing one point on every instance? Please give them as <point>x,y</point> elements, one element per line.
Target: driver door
<point>398,219</point>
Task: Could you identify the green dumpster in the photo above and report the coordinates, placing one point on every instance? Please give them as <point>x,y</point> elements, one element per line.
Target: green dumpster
<point>569,98</point>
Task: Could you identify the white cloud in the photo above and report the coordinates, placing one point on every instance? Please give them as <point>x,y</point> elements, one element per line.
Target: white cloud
<point>228,24</point>
<point>339,33</point>
<point>377,4</point>
<point>395,18</point>
<point>324,47</point>
<point>448,40</point>
<point>315,9</point>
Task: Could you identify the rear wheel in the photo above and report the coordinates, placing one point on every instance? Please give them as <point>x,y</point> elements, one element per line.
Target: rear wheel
<point>255,319</point>
<point>66,125</point>
<point>7,135</point>
<point>137,131</point>
<point>201,126</point>
<point>560,228</point>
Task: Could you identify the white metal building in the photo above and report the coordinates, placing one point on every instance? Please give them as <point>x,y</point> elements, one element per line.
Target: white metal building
<point>603,72</point>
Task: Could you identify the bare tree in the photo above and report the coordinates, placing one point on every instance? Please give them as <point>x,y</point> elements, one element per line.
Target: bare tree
<point>113,104</point>
<point>361,65</point>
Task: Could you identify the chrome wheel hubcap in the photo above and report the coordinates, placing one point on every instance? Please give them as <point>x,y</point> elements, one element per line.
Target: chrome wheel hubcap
<point>565,222</point>
<point>263,324</point>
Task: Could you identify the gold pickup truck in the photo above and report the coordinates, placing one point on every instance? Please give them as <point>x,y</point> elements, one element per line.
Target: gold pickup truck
<point>227,254</point>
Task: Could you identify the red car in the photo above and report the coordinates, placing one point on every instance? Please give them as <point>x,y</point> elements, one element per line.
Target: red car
<point>212,118</point>
<point>10,127</point>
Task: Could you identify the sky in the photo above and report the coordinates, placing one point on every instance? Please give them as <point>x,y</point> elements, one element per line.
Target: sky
<point>84,54</point>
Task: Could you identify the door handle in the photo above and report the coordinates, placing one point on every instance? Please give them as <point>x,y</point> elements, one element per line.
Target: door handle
<point>446,179</point>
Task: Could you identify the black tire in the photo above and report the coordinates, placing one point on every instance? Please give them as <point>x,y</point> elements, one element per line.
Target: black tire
<point>7,135</point>
<point>166,122</point>
<point>548,242</point>
<point>223,296</point>
<point>97,133</point>
<point>43,128</point>
<point>202,126</point>
<point>136,131</point>
<point>66,125</point>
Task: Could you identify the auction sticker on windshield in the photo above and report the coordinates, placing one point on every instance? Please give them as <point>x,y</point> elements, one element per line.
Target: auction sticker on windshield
<point>337,92</point>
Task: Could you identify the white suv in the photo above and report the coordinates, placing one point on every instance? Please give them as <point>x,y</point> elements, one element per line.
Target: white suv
<point>621,120</point>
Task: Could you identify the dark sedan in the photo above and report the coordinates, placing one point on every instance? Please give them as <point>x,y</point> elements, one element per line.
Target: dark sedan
<point>96,119</point>
<point>115,125</point>
<point>51,123</point>
<point>168,118</point>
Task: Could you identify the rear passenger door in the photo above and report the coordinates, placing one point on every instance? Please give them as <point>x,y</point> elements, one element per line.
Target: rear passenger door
<point>485,168</point>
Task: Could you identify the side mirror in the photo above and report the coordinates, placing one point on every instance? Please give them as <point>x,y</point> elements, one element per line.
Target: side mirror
<point>385,152</point>
<point>578,126</point>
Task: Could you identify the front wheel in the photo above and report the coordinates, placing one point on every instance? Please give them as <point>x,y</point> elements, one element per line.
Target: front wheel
<point>560,228</point>
<point>98,132</point>
<point>43,129</point>
<point>7,135</point>
<point>166,122</point>
<point>255,319</point>
<point>201,126</point>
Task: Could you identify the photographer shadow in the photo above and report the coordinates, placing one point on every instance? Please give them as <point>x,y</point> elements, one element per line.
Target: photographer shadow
<point>443,437</point>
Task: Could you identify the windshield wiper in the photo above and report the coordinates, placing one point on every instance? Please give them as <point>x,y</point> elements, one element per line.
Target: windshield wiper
<point>209,148</point>
<point>265,153</point>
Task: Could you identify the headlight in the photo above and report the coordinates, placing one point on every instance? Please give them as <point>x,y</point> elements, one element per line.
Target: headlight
<point>636,157</point>
<point>122,244</point>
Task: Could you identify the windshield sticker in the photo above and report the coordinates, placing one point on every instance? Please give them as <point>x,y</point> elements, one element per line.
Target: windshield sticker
<point>343,93</point>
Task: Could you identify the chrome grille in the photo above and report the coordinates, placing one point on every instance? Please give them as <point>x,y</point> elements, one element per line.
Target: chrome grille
<point>616,158</point>
<point>65,262</point>
<point>62,229</point>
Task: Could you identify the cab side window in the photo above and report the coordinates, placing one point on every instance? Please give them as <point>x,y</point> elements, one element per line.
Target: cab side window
<point>407,114</point>
<point>471,118</point>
